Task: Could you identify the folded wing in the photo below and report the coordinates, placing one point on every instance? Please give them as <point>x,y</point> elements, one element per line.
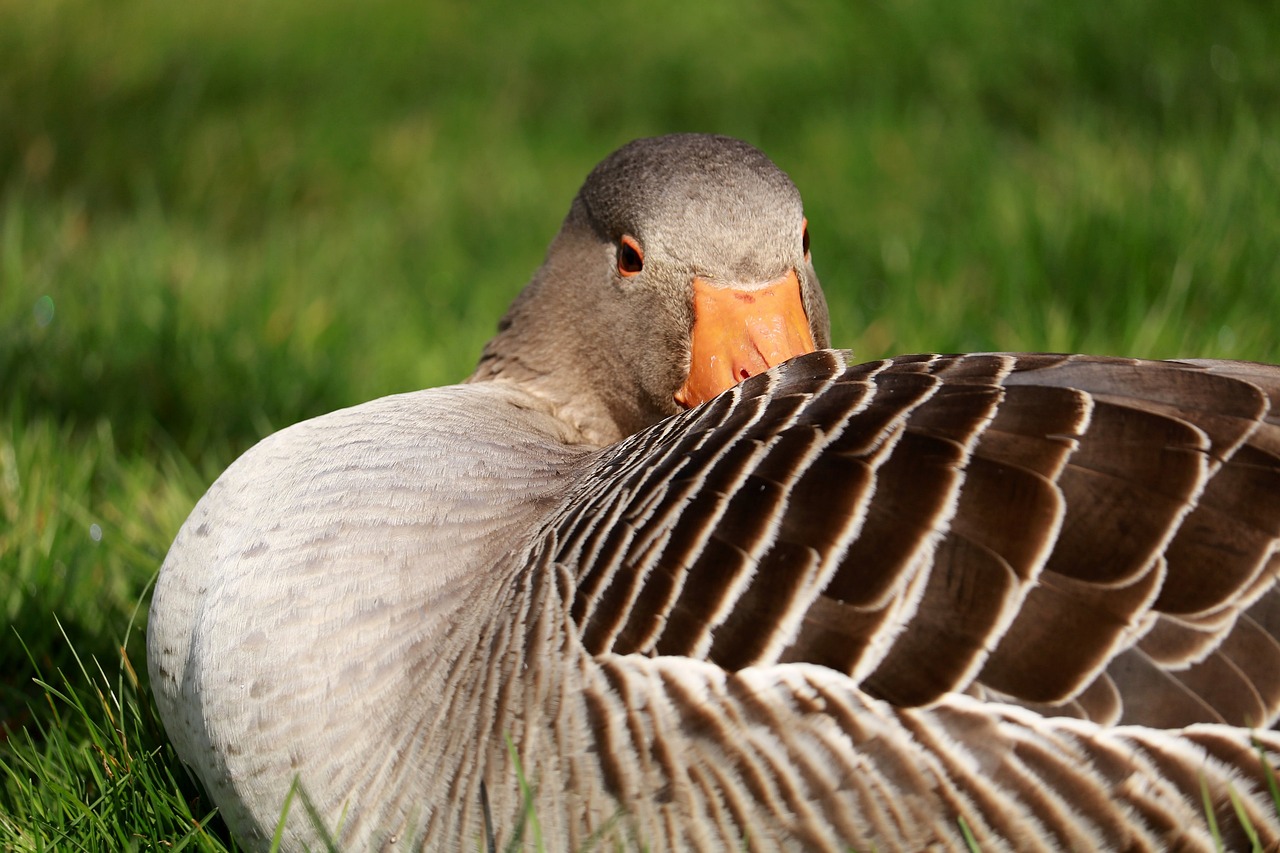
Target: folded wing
<point>1089,536</point>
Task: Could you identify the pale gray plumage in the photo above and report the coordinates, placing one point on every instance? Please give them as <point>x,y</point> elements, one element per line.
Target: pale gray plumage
<point>840,606</point>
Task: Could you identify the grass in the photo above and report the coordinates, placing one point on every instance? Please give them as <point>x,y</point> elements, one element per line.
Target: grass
<point>218,219</point>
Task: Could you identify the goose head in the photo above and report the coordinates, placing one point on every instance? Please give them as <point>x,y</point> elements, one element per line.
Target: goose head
<point>682,268</point>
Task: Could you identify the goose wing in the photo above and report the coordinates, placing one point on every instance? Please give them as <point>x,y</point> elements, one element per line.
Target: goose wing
<point>1093,536</point>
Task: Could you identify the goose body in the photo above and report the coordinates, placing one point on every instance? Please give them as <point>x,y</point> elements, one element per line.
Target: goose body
<point>835,606</point>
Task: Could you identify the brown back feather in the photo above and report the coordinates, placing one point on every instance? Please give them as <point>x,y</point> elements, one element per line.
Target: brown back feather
<point>1080,535</point>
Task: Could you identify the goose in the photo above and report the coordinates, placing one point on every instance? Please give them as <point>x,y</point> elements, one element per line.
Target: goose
<point>668,572</point>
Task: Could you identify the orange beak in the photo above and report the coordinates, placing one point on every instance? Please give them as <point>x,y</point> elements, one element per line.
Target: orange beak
<point>739,333</point>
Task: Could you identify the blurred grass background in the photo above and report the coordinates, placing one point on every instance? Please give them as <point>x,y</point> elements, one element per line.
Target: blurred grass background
<point>217,219</point>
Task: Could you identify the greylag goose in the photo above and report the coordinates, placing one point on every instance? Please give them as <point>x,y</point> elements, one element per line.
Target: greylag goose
<point>607,591</point>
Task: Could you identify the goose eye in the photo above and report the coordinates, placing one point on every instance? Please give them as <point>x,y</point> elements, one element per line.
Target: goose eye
<point>630,258</point>
<point>804,239</point>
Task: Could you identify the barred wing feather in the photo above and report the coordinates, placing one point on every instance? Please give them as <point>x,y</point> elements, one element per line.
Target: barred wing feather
<point>1086,535</point>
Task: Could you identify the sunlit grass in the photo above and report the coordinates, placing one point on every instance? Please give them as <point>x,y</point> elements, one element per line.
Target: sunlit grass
<point>218,219</point>
<point>94,771</point>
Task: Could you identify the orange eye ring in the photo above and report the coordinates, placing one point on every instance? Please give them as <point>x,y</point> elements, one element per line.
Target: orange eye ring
<point>630,257</point>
